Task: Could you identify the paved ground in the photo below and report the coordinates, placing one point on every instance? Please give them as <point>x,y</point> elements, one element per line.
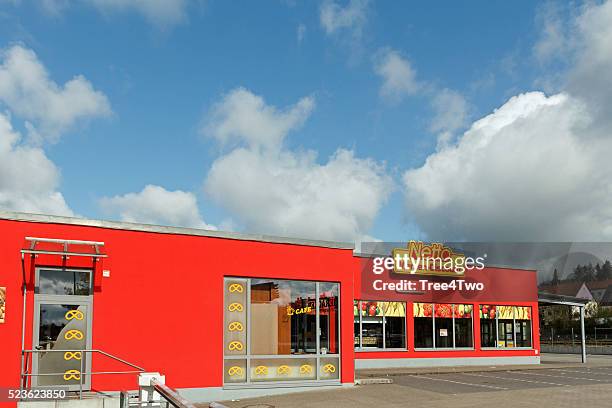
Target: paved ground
<point>557,383</point>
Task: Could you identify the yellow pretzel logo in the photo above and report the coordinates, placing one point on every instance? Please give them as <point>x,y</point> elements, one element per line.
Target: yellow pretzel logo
<point>329,368</point>
<point>235,326</point>
<point>261,370</point>
<point>235,345</point>
<point>284,369</point>
<point>236,287</point>
<point>69,355</point>
<point>73,334</point>
<point>74,314</point>
<point>72,375</point>
<point>235,307</point>
<point>235,371</point>
<point>305,369</point>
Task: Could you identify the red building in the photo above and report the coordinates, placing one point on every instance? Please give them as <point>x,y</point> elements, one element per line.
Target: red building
<point>225,314</point>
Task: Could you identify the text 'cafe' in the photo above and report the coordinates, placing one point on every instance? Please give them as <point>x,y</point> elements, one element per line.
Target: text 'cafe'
<point>225,314</point>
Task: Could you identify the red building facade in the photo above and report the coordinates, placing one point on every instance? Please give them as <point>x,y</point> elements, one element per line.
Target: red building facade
<point>224,314</point>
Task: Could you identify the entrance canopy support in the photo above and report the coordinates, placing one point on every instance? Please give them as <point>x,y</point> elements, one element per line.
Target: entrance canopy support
<point>553,299</point>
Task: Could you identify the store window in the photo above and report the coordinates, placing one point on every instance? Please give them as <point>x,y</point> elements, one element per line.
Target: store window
<point>280,330</point>
<point>488,328</point>
<point>522,324</point>
<point>505,326</point>
<point>443,326</point>
<point>379,325</point>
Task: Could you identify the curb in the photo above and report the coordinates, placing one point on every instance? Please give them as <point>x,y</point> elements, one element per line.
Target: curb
<point>369,381</point>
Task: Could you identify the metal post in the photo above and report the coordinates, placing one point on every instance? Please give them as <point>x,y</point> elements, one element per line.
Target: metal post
<point>572,338</point>
<point>81,376</point>
<point>582,335</point>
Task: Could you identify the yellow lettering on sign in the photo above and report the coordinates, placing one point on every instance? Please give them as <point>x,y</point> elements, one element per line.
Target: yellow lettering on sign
<point>291,311</point>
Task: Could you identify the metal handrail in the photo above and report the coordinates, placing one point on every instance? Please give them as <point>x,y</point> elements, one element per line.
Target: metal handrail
<point>25,375</point>
<point>171,396</point>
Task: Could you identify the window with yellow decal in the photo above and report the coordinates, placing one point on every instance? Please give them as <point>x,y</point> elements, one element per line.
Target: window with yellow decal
<point>280,330</point>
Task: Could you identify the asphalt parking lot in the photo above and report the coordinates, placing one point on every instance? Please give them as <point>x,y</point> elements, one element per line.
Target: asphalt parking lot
<point>484,381</point>
<point>550,385</point>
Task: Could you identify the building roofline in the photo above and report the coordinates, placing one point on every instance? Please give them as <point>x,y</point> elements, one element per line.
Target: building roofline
<point>160,229</point>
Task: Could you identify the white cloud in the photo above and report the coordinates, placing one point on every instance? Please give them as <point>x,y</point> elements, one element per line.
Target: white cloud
<point>156,205</point>
<point>49,109</point>
<point>162,13</point>
<point>538,168</point>
<point>274,190</point>
<point>289,193</point>
<point>451,112</point>
<point>244,116</point>
<point>398,75</point>
<point>352,17</point>
<point>590,77</point>
<point>28,179</point>
<point>301,32</point>
<point>524,172</point>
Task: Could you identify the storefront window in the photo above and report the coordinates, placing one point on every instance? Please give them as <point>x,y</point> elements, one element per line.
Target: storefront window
<point>423,325</point>
<point>442,325</point>
<point>463,325</point>
<point>380,325</point>
<point>283,317</point>
<point>488,328</point>
<point>505,323</point>
<point>505,326</point>
<point>328,317</point>
<point>522,324</point>
<point>280,330</point>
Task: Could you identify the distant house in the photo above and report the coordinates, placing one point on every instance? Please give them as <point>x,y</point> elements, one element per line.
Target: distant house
<point>599,291</point>
<point>568,288</point>
<point>599,288</point>
<point>606,299</point>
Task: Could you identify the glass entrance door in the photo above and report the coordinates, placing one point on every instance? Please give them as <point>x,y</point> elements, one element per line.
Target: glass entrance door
<point>62,327</point>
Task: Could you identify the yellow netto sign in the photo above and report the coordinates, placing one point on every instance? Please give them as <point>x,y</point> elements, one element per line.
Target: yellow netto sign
<point>428,259</point>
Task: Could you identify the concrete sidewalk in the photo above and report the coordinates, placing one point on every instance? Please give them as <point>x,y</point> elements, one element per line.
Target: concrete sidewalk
<point>547,361</point>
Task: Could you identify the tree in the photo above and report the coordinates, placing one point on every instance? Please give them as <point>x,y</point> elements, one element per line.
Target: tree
<point>555,279</point>
<point>605,271</point>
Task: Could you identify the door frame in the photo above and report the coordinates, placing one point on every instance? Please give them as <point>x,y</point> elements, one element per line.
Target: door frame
<point>81,300</point>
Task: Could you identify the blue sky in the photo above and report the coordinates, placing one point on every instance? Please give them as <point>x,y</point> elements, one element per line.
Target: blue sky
<point>163,75</point>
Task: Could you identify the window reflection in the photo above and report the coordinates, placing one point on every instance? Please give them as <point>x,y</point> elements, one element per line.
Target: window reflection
<point>328,317</point>
<point>64,282</point>
<point>283,316</point>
